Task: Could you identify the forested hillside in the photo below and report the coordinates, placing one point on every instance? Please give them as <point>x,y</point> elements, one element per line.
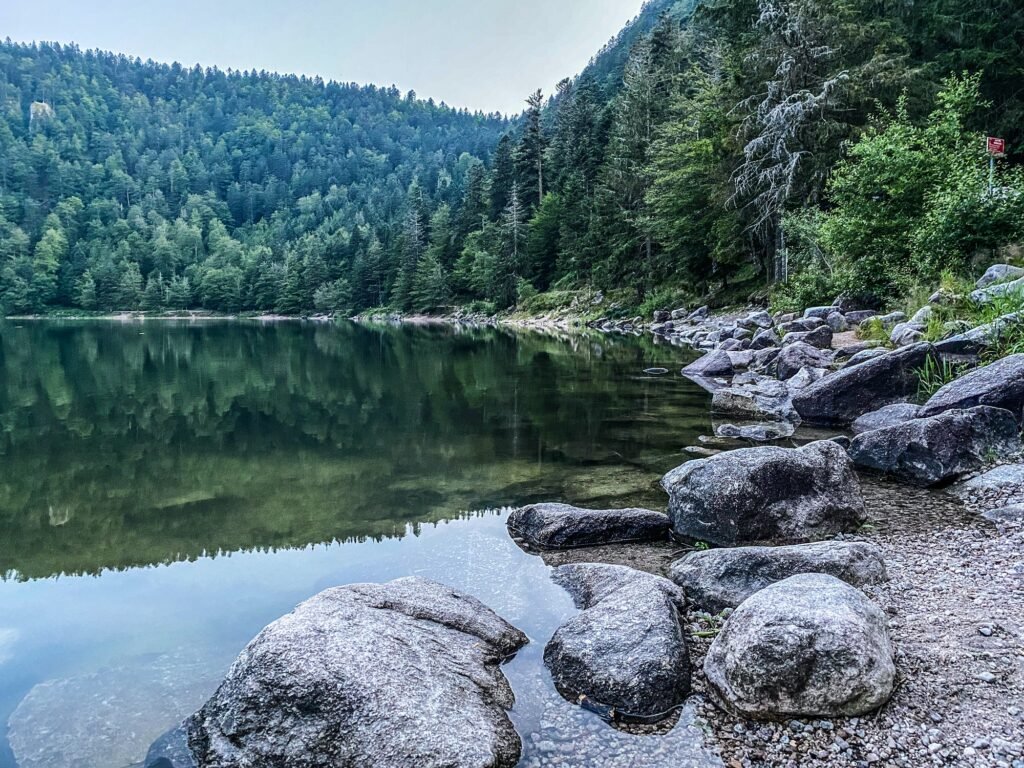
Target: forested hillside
<point>814,146</point>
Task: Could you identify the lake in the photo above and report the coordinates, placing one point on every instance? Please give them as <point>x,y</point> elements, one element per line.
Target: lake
<point>169,488</point>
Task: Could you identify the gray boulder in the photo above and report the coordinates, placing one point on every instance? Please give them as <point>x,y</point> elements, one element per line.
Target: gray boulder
<point>560,526</point>
<point>765,494</point>
<point>679,314</point>
<point>976,340</point>
<point>400,674</point>
<point>905,334</point>
<point>851,392</point>
<point>859,316</point>
<point>864,355</point>
<point>837,322</point>
<point>804,378</point>
<point>713,365</point>
<point>999,273</point>
<point>892,319</point>
<point>765,340</point>
<point>1011,515</point>
<point>758,433</point>
<point>1000,385</point>
<point>932,451</point>
<point>756,320</point>
<point>717,579</point>
<point>698,314</point>
<point>889,416</point>
<point>819,312</point>
<point>1005,480</point>
<point>662,316</point>
<point>1002,290</point>
<point>819,337</point>
<point>808,646</point>
<point>800,355</point>
<point>754,397</point>
<point>627,649</point>
<point>741,359</point>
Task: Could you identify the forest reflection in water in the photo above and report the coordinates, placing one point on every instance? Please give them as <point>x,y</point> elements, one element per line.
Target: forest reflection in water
<point>256,464</point>
<point>130,444</point>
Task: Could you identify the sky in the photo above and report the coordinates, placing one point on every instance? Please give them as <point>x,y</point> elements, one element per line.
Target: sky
<point>480,54</point>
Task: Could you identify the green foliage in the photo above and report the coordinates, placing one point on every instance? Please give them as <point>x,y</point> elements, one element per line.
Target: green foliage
<point>705,147</point>
<point>912,200</point>
<point>934,375</point>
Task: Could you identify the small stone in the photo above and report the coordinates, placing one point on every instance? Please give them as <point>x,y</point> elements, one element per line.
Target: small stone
<point>985,677</point>
<point>985,631</point>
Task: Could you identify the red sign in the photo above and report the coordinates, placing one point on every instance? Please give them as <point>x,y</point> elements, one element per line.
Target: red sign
<point>996,146</point>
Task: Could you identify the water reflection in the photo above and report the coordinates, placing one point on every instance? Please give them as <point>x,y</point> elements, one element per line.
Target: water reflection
<point>257,465</point>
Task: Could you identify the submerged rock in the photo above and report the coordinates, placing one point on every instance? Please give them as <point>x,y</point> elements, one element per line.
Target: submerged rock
<point>560,526</point>
<point>932,451</point>
<point>765,494</point>
<point>808,646</point>
<point>759,433</point>
<point>851,392</point>
<point>717,579</point>
<point>627,650</point>
<point>399,674</point>
<point>1000,385</point>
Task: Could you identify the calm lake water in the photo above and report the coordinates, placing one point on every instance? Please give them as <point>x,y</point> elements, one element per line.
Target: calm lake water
<point>168,489</point>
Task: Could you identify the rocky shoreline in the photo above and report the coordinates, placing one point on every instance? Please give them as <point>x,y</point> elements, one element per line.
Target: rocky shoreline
<point>855,601</point>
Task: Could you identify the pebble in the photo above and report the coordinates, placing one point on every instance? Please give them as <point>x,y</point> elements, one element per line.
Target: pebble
<point>986,677</point>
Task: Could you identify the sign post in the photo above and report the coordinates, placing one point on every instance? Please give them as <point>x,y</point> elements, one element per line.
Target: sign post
<point>996,148</point>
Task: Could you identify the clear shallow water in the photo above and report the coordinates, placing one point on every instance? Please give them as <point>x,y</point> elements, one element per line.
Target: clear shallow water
<point>166,490</point>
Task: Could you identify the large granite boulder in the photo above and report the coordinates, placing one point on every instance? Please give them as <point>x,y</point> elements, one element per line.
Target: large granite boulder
<point>400,674</point>
<point>851,392</point>
<point>808,646</point>
<point>626,651</point>
<point>999,291</point>
<point>765,494</point>
<point>933,451</point>
<point>560,526</point>
<point>1000,385</point>
<point>716,579</point>
<point>713,365</point>
<point>820,337</point>
<point>889,416</point>
<point>754,397</point>
<point>765,339</point>
<point>974,341</point>
<point>756,320</point>
<point>999,273</point>
<point>793,357</point>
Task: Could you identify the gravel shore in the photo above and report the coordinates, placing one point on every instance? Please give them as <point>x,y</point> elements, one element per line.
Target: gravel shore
<point>955,601</point>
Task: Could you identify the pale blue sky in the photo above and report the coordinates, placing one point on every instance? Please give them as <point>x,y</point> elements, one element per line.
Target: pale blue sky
<point>482,54</point>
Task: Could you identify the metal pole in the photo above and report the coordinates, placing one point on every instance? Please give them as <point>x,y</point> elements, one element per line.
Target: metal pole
<point>991,174</point>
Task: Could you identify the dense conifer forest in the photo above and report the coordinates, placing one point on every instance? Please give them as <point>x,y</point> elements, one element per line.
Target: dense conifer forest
<point>791,147</point>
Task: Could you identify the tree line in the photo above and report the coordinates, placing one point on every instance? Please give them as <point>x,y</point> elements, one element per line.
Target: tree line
<point>814,145</point>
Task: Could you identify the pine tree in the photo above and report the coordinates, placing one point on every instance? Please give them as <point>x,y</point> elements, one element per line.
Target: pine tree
<point>430,290</point>
<point>154,295</point>
<point>529,155</point>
